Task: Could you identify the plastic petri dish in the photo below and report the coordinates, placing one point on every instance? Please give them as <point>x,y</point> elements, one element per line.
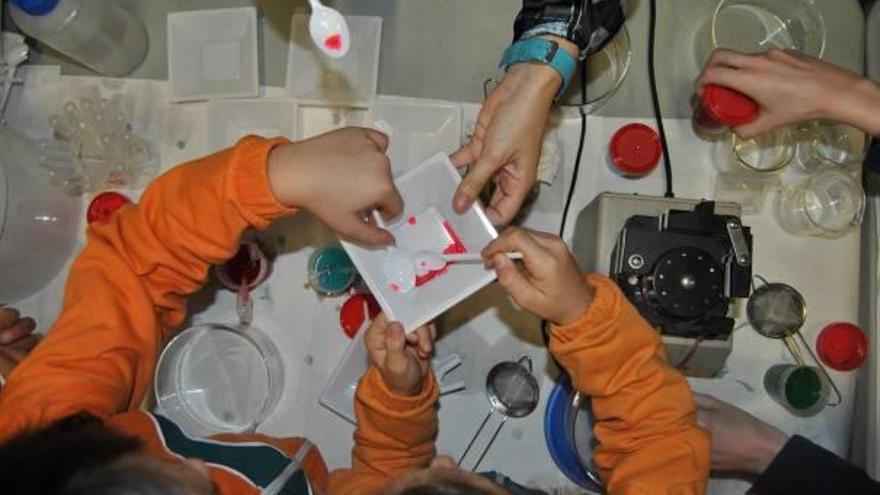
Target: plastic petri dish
<point>331,271</point>
<point>754,26</point>
<point>214,379</point>
<point>606,72</point>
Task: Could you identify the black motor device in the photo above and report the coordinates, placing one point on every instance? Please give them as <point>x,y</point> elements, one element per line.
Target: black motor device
<point>681,269</point>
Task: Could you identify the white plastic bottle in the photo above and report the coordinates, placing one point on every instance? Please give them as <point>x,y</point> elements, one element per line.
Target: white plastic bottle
<point>99,34</point>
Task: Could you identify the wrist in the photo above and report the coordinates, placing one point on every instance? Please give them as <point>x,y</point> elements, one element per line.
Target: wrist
<point>281,165</point>
<point>859,107</point>
<point>771,443</point>
<point>539,80</point>
<point>404,390</point>
<point>578,308</point>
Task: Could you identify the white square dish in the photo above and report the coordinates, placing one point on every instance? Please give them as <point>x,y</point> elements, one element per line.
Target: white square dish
<point>231,120</point>
<point>213,54</point>
<point>350,80</point>
<point>427,192</point>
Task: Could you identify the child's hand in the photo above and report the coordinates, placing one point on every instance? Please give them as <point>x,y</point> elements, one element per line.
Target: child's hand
<point>402,359</point>
<point>16,339</point>
<point>551,284</point>
<point>339,177</point>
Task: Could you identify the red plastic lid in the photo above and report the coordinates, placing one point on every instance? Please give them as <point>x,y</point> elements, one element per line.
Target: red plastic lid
<point>104,206</point>
<point>635,149</point>
<point>842,346</point>
<point>352,317</point>
<point>729,106</point>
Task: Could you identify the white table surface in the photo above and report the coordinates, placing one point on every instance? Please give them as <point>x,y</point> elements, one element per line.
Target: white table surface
<point>486,328</point>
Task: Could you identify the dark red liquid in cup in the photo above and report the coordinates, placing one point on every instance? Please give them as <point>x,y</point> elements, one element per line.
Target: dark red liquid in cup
<point>242,268</point>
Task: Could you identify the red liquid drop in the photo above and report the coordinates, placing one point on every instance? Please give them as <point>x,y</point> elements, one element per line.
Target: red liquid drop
<point>334,42</point>
<point>412,220</point>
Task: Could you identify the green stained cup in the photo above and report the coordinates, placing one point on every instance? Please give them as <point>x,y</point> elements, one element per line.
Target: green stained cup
<point>800,389</point>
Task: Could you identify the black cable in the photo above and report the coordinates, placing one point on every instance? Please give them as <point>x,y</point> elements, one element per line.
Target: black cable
<point>667,162</point>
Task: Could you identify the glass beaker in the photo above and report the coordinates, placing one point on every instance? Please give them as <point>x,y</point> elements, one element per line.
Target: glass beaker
<point>825,143</point>
<point>828,204</point>
<point>606,71</point>
<point>759,159</point>
<point>214,379</point>
<point>798,388</point>
<point>754,26</point>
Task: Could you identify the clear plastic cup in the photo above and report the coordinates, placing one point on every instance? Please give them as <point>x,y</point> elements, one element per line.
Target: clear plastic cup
<point>331,271</point>
<point>754,26</point>
<point>800,389</point>
<point>214,379</point>
<point>824,143</point>
<point>828,204</point>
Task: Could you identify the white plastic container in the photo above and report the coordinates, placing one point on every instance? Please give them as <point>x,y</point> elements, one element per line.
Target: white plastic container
<point>417,130</point>
<point>40,223</point>
<point>233,119</point>
<point>351,80</point>
<point>427,192</point>
<point>99,34</point>
<point>213,54</point>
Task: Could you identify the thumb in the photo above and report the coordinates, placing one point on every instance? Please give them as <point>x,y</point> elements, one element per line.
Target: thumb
<point>361,232</point>
<point>395,344</point>
<point>512,281</point>
<point>475,180</point>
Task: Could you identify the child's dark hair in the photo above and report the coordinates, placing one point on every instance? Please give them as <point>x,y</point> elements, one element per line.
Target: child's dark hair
<point>76,455</point>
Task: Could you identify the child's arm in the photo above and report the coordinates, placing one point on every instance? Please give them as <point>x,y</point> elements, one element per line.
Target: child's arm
<point>396,411</point>
<point>645,419</point>
<point>126,290</point>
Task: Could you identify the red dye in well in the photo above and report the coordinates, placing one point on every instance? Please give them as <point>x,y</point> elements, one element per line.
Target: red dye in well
<point>352,317</point>
<point>411,220</point>
<point>242,269</point>
<point>454,247</point>
<point>333,42</point>
<point>394,288</point>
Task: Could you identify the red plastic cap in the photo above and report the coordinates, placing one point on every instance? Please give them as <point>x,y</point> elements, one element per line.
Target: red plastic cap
<point>729,106</point>
<point>635,149</point>
<point>842,346</point>
<point>104,206</point>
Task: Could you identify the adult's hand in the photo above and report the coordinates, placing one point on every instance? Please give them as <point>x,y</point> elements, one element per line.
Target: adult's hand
<point>506,145</point>
<point>791,87</point>
<point>16,339</point>
<point>740,442</point>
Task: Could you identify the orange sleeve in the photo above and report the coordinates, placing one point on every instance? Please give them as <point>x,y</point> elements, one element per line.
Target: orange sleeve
<point>644,415</point>
<point>395,435</point>
<point>126,290</point>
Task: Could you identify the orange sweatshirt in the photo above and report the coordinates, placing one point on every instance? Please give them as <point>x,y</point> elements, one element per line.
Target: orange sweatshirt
<point>644,413</point>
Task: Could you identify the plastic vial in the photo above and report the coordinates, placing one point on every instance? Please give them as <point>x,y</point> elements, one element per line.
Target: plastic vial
<point>99,34</point>
<point>634,151</point>
<point>721,108</point>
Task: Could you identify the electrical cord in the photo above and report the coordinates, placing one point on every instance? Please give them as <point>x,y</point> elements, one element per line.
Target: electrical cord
<point>658,116</point>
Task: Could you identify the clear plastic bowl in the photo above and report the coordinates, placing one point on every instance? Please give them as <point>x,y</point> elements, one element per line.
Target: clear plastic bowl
<point>214,379</point>
<point>754,26</point>
<point>829,204</point>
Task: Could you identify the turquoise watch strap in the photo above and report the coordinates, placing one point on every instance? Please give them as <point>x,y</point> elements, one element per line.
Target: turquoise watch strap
<point>540,50</point>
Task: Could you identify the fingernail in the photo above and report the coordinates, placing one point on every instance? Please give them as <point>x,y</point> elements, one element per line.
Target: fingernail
<point>500,261</point>
<point>461,203</point>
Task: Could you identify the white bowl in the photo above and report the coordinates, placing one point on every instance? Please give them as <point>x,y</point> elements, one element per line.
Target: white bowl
<point>231,120</point>
<point>350,80</point>
<point>417,130</point>
<point>212,54</point>
<point>427,192</point>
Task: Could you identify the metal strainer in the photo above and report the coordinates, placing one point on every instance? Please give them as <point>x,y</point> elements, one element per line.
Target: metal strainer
<point>513,392</point>
<point>778,311</point>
